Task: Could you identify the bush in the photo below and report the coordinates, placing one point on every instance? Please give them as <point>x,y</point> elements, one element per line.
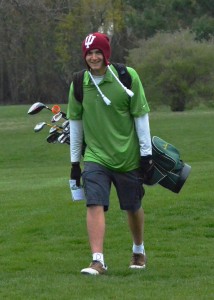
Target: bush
<point>175,69</point>
<point>203,28</point>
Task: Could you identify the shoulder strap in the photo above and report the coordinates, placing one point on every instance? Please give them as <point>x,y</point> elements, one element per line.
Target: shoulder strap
<point>123,74</point>
<point>78,85</point>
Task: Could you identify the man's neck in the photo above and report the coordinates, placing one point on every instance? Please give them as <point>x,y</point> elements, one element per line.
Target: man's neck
<point>99,72</point>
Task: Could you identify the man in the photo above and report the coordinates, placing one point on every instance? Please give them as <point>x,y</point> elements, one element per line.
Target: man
<point>118,150</point>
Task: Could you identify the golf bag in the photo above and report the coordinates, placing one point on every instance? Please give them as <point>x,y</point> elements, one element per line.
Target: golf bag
<point>170,171</point>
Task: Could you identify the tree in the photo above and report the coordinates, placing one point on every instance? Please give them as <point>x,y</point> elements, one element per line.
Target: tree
<point>101,15</point>
<point>40,40</point>
<point>146,18</point>
<point>175,69</point>
<point>27,58</point>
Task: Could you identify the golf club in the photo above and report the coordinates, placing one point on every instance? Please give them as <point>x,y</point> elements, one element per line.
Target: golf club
<point>56,117</point>
<point>53,138</point>
<point>41,125</point>
<point>63,138</point>
<point>65,124</point>
<point>57,133</point>
<point>66,127</point>
<point>56,109</point>
<point>37,107</point>
<point>55,129</point>
<point>66,130</point>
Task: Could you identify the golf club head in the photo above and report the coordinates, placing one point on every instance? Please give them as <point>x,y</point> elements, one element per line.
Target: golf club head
<point>57,110</point>
<point>67,141</point>
<point>36,107</point>
<point>65,124</point>
<point>66,129</point>
<point>53,138</point>
<point>56,117</point>
<point>39,126</point>
<point>63,138</point>
<point>55,129</point>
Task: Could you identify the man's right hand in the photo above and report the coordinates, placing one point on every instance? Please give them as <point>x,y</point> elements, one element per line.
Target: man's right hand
<point>147,168</point>
<point>75,172</point>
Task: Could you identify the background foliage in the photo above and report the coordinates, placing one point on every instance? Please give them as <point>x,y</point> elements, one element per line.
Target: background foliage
<point>175,69</point>
<point>40,46</point>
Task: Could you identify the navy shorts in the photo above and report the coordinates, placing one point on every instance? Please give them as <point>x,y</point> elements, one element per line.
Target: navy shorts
<point>97,181</point>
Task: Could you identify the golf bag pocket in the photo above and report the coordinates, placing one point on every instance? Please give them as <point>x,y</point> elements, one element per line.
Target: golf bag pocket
<point>165,155</point>
<point>170,171</point>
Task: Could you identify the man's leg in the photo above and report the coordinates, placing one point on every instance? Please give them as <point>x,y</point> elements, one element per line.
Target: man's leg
<point>97,184</point>
<point>130,192</point>
<point>136,224</point>
<point>96,228</point>
<point>96,234</point>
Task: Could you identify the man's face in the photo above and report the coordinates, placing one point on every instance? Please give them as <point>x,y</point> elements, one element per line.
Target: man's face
<point>95,60</point>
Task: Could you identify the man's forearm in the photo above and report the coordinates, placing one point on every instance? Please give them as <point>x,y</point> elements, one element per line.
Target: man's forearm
<point>76,140</point>
<point>143,133</point>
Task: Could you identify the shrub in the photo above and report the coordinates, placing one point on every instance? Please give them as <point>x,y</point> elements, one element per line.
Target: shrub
<point>176,70</point>
<point>203,28</point>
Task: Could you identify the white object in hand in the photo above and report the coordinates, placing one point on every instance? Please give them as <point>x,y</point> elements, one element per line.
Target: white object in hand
<point>77,192</point>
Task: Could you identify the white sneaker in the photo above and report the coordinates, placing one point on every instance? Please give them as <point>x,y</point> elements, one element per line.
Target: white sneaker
<point>95,268</point>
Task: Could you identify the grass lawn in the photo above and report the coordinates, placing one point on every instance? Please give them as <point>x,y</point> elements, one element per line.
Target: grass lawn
<point>43,240</point>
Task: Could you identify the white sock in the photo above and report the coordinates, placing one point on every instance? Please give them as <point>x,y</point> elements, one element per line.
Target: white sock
<point>138,249</point>
<point>99,257</point>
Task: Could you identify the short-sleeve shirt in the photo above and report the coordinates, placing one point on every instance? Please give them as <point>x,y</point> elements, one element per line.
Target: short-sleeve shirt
<point>109,130</point>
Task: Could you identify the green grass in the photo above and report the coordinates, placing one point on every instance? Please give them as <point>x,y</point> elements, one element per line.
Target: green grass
<point>43,241</point>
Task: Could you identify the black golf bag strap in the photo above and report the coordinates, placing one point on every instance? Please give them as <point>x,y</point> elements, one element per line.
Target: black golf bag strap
<point>78,85</point>
<point>122,71</point>
<point>123,74</point>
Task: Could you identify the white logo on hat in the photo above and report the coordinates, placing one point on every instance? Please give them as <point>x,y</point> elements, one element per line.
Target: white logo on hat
<point>89,40</point>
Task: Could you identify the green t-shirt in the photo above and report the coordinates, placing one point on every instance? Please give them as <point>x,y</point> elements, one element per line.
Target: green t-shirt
<point>109,130</point>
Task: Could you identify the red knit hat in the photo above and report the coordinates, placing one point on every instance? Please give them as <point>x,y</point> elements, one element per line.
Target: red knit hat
<point>99,41</point>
